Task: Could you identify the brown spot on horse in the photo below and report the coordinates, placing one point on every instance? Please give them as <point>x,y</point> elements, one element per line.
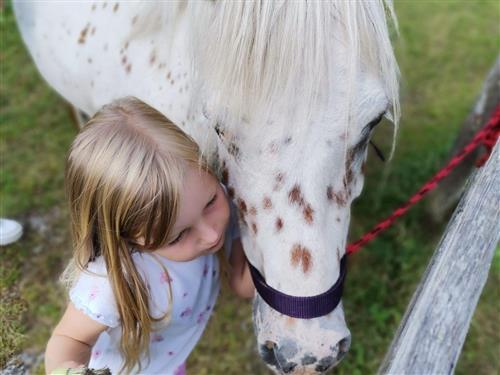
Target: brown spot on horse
<point>254,228</point>
<point>278,181</point>
<point>340,198</point>
<point>300,255</point>
<point>308,214</point>
<point>279,224</point>
<point>83,34</point>
<point>267,203</point>
<point>252,211</point>
<point>295,195</point>
<point>349,174</point>
<point>349,177</point>
<point>225,176</point>
<point>242,206</point>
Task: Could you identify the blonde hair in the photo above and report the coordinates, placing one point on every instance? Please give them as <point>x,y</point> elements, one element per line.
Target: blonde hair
<point>124,175</point>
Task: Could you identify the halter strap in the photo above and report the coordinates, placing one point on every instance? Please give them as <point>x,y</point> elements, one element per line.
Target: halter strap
<point>301,307</point>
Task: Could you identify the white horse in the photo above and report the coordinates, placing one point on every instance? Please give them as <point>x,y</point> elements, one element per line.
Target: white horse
<point>282,94</point>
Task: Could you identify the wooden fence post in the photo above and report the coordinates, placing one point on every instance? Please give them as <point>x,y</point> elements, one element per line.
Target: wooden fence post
<point>431,334</point>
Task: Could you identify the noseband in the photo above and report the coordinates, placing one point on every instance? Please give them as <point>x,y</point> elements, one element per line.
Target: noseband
<point>301,307</point>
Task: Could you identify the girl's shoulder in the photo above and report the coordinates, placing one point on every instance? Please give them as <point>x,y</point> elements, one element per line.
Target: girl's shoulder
<point>96,268</point>
<point>92,293</point>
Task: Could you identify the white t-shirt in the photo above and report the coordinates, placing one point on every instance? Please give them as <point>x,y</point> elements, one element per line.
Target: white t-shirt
<point>195,286</point>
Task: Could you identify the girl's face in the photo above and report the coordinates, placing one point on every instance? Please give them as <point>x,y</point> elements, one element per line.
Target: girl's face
<point>203,217</point>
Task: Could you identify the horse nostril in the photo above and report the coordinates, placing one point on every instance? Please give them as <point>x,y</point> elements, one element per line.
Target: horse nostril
<point>272,356</point>
<point>343,346</point>
<point>267,353</point>
<point>270,345</point>
<point>288,367</point>
<point>341,355</point>
<point>308,360</point>
<point>325,363</point>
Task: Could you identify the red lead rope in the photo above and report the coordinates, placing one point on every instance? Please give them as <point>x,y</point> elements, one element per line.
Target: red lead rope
<point>487,136</point>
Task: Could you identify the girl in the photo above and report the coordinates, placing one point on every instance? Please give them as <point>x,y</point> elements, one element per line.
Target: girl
<point>147,217</point>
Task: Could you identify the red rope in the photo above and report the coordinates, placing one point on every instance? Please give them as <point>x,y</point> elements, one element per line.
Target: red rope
<point>487,136</point>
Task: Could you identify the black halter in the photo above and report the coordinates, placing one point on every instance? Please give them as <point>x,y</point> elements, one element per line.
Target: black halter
<point>301,307</point>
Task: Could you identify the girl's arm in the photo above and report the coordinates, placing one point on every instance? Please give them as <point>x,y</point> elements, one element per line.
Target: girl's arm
<point>240,279</point>
<point>72,340</point>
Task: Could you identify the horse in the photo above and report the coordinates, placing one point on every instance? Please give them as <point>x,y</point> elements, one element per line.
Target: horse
<point>282,98</point>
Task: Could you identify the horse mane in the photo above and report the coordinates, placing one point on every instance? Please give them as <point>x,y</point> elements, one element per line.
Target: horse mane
<point>251,53</point>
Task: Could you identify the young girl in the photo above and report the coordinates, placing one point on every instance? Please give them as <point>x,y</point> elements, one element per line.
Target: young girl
<point>147,217</point>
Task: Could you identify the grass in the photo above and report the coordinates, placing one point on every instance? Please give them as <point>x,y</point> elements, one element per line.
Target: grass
<point>445,51</point>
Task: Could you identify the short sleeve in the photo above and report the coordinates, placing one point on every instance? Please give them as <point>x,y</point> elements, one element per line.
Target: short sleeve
<point>92,294</point>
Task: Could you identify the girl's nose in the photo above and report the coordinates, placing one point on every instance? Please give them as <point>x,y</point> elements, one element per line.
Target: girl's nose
<point>209,234</point>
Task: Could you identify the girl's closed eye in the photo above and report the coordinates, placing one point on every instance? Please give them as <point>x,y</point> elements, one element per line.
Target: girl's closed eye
<point>179,237</point>
<point>181,234</point>
<point>212,201</point>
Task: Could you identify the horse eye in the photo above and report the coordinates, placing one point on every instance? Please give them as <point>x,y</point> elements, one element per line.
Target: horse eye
<point>376,121</point>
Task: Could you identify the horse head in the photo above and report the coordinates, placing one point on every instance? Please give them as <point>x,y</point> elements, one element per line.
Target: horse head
<point>294,92</point>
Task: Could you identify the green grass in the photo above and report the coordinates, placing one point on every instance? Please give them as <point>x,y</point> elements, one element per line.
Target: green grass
<point>445,51</point>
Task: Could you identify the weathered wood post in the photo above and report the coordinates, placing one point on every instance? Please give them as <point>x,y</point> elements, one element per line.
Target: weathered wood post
<point>443,199</point>
<point>431,334</point>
